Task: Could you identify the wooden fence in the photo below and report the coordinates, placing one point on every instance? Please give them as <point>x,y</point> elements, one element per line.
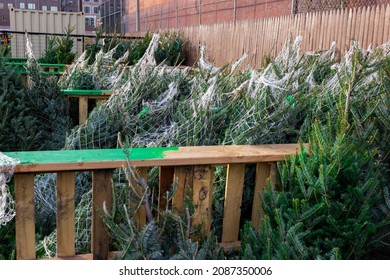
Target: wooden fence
<point>191,167</point>
<point>227,42</point>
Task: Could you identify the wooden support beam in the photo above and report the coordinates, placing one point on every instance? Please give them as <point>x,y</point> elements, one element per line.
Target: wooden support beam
<point>165,183</point>
<point>263,172</point>
<point>140,214</point>
<point>83,109</point>
<point>273,176</point>
<point>233,199</point>
<point>183,175</point>
<point>65,214</point>
<point>25,216</point>
<point>202,197</point>
<point>101,193</point>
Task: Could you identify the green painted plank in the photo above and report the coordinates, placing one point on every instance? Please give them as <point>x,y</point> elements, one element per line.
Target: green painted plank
<point>16,59</point>
<point>84,91</point>
<point>51,65</point>
<point>50,73</point>
<point>72,156</point>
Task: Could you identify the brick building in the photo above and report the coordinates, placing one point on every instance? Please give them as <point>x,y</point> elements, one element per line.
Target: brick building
<point>112,14</point>
<point>89,7</point>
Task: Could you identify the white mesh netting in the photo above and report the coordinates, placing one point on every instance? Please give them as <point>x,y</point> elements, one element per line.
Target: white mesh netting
<point>7,211</point>
<point>152,105</point>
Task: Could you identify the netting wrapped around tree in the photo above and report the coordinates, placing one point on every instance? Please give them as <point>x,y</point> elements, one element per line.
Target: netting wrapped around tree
<point>7,210</point>
<point>153,105</point>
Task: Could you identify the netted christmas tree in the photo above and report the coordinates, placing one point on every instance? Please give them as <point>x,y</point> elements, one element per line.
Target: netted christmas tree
<point>310,97</point>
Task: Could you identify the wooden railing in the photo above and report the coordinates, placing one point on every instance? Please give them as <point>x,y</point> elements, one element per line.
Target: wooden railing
<point>192,167</point>
<point>83,97</point>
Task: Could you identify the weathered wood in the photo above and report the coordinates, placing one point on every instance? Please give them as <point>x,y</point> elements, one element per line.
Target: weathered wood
<point>165,183</point>
<point>83,109</point>
<point>52,161</point>
<point>101,194</point>
<point>263,171</point>
<point>273,175</point>
<point>25,216</point>
<point>227,246</point>
<point>318,30</point>
<point>65,214</point>
<point>202,197</point>
<point>183,175</point>
<point>140,214</point>
<point>233,199</point>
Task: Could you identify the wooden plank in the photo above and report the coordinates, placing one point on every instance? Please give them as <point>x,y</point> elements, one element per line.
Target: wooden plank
<point>83,109</point>
<point>140,214</point>
<point>360,20</point>
<point>349,31</point>
<point>101,194</point>
<point>381,26</point>
<point>376,16</point>
<point>386,31</point>
<point>165,184</point>
<point>65,214</point>
<point>369,26</point>
<point>183,175</point>
<point>263,171</point>
<point>25,216</point>
<point>63,160</point>
<point>233,199</point>
<point>202,197</point>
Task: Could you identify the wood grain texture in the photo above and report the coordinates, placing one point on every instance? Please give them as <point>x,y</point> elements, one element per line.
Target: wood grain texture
<point>198,155</point>
<point>101,193</point>
<point>267,37</point>
<point>83,109</point>
<point>202,197</point>
<point>140,214</point>
<point>165,184</point>
<point>233,199</point>
<point>183,176</point>
<point>25,216</point>
<point>263,172</point>
<point>65,214</point>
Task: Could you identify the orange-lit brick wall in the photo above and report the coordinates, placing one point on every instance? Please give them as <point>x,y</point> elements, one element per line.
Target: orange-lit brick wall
<point>155,14</point>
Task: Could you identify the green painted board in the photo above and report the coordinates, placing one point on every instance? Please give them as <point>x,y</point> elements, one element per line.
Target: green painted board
<point>74,156</point>
<point>16,59</point>
<point>85,91</point>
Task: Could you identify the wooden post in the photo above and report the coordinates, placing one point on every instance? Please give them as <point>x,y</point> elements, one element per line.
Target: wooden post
<point>140,214</point>
<point>83,109</point>
<point>272,175</point>
<point>184,177</point>
<point>263,171</point>
<point>233,199</point>
<point>25,216</point>
<point>65,214</point>
<point>165,183</point>
<point>101,192</point>
<point>202,196</point>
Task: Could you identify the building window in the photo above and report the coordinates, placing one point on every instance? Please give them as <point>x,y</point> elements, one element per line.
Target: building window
<point>96,10</point>
<point>53,8</point>
<point>22,5</point>
<point>96,1</point>
<point>1,5</point>
<point>31,6</point>
<point>90,21</point>
<point>44,8</point>
<point>10,5</point>
<point>87,9</point>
